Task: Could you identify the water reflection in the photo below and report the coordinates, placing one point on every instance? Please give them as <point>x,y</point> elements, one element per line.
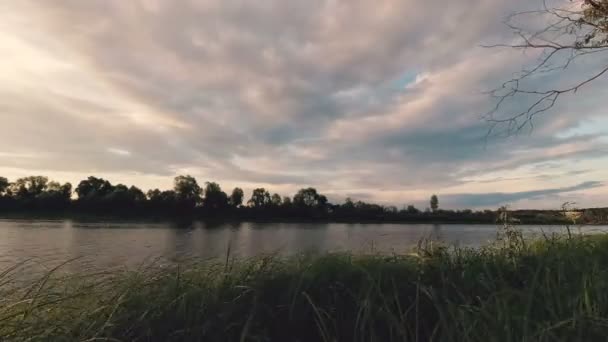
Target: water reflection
<point>129,244</point>
<point>179,244</point>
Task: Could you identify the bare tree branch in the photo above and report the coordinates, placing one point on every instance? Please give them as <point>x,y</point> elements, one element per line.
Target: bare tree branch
<point>570,33</point>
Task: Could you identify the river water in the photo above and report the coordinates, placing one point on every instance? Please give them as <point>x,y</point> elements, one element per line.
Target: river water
<point>102,245</point>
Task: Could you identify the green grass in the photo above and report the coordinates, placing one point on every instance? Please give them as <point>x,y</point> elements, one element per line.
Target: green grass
<point>554,289</point>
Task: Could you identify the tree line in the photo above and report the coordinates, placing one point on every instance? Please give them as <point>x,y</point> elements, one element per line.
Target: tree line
<point>37,194</point>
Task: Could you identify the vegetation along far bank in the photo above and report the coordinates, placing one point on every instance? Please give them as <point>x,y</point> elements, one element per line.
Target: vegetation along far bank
<point>37,196</point>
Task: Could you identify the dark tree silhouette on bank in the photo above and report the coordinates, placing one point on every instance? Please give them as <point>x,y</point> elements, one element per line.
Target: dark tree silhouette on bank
<point>162,201</point>
<point>35,193</point>
<point>236,197</point>
<point>309,198</point>
<point>434,203</point>
<point>98,196</point>
<point>187,192</point>
<point>260,198</point>
<point>286,201</point>
<point>215,198</point>
<point>412,209</point>
<point>276,200</point>
<point>28,187</point>
<point>4,184</point>
<point>55,196</point>
<point>93,188</point>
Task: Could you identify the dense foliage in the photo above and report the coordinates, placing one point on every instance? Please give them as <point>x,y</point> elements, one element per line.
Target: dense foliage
<point>551,290</point>
<point>97,196</point>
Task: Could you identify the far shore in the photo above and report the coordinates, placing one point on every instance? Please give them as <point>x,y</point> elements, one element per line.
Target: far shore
<point>214,220</point>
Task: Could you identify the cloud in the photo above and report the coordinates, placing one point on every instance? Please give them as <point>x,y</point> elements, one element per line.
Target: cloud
<point>118,151</point>
<point>354,97</point>
<point>495,199</point>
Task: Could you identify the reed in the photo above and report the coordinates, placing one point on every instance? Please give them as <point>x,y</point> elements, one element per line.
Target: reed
<point>554,289</point>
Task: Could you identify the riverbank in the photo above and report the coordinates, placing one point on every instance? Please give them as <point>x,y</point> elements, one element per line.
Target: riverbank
<point>490,217</point>
<point>549,290</point>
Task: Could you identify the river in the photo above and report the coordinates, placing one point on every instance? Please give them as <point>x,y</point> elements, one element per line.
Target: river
<point>102,245</point>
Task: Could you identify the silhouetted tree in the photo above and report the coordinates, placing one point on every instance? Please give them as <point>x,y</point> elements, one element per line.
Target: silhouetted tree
<point>118,198</point>
<point>309,198</point>
<point>28,187</point>
<point>36,192</point>
<point>93,188</point>
<point>4,184</point>
<point>64,190</point>
<point>412,210</point>
<point>286,201</point>
<point>55,196</point>
<point>153,194</point>
<point>215,198</point>
<point>187,191</point>
<point>162,200</point>
<point>100,196</point>
<point>123,199</point>
<point>309,203</point>
<point>369,210</point>
<point>276,200</point>
<point>259,198</point>
<point>434,203</point>
<point>391,209</point>
<point>137,195</point>
<point>347,209</point>
<point>236,197</point>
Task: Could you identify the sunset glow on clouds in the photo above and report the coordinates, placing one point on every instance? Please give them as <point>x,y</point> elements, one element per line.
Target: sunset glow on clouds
<point>376,100</point>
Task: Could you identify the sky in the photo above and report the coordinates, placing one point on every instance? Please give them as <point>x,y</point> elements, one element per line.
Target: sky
<point>379,101</point>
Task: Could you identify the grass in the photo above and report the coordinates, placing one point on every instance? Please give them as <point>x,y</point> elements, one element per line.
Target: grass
<point>555,289</point>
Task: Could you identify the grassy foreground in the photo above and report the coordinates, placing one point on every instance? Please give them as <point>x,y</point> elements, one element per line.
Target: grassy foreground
<point>550,290</point>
